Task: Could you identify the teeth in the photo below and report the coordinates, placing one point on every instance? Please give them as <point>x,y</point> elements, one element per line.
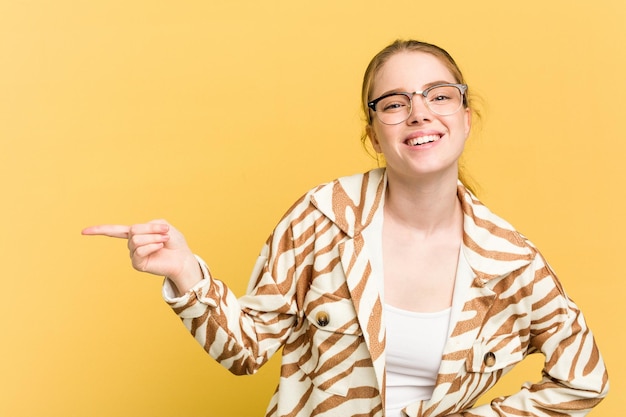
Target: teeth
<point>422,139</point>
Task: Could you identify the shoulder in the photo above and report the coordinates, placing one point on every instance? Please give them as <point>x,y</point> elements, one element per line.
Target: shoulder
<point>480,217</point>
<point>492,245</point>
<point>348,201</point>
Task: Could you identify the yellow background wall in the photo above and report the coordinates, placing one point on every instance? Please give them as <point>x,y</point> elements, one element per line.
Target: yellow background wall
<point>217,116</point>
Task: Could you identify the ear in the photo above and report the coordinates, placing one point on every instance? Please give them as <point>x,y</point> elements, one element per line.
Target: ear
<point>468,122</point>
<point>373,139</point>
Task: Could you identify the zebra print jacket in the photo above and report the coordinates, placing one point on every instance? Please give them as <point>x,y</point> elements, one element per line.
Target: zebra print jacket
<point>312,294</point>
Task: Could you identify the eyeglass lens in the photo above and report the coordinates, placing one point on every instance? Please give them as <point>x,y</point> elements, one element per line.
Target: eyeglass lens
<point>442,100</point>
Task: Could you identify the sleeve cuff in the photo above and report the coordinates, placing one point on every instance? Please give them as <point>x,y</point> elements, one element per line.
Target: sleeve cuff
<point>200,290</point>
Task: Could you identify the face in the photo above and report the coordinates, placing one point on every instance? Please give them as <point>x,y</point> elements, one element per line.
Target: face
<point>426,143</point>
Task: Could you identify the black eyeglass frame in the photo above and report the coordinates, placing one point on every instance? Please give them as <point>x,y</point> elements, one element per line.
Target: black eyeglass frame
<point>424,93</point>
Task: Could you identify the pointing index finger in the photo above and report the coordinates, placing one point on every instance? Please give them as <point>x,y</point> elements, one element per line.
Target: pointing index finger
<point>110,230</point>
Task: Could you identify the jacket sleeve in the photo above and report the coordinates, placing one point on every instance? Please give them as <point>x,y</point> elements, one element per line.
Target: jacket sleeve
<point>242,334</point>
<point>574,377</point>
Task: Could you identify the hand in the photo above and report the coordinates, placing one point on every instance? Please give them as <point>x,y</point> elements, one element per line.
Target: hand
<point>157,248</point>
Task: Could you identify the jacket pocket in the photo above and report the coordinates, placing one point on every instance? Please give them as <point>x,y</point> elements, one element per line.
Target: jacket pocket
<point>497,353</point>
<point>335,341</point>
<point>330,313</point>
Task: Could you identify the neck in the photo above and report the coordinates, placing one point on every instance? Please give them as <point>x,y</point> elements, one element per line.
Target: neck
<point>426,205</point>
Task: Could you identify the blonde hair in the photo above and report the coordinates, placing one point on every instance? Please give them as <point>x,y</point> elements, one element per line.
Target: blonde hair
<point>410,45</point>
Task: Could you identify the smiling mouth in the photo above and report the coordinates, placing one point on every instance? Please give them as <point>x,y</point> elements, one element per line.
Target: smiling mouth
<point>422,140</point>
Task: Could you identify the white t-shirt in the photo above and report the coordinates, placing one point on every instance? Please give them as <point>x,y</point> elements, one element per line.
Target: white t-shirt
<point>415,343</point>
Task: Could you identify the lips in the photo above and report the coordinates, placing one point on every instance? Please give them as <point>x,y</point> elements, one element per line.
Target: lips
<point>422,139</point>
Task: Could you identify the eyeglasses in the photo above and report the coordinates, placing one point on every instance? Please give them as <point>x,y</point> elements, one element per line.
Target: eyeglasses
<point>441,99</point>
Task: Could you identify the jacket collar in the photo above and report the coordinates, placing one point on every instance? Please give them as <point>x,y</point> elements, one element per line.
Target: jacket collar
<point>491,245</point>
<point>351,202</point>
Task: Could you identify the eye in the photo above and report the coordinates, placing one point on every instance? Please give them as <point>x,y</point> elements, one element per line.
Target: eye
<point>393,106</point>
<point>439,96</point>
<point>444,95</point>
<point>393,103</point>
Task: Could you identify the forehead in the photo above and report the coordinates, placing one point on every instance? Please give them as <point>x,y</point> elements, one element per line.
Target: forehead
<point>410,71</point>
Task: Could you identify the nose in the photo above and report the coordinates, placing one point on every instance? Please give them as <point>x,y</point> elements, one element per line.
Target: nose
<point>419,112</point>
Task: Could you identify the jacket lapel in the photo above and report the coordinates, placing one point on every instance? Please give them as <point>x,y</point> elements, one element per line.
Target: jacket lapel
<point>367,302</point>
<point>351,203</point>
<point>491,249</point>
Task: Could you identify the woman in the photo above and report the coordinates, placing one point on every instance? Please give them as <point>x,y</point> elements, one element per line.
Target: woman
<point>395,291</point>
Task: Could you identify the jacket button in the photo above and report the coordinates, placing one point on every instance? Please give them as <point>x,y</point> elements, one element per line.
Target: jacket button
<point>322,318</point>
<point>489,359</point>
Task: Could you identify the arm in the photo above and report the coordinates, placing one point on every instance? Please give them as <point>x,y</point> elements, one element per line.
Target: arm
<point>241,335</point>
<point>574,376</point>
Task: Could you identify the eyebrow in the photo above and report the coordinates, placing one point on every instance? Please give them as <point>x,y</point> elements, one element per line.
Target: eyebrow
<point>427,85</point>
